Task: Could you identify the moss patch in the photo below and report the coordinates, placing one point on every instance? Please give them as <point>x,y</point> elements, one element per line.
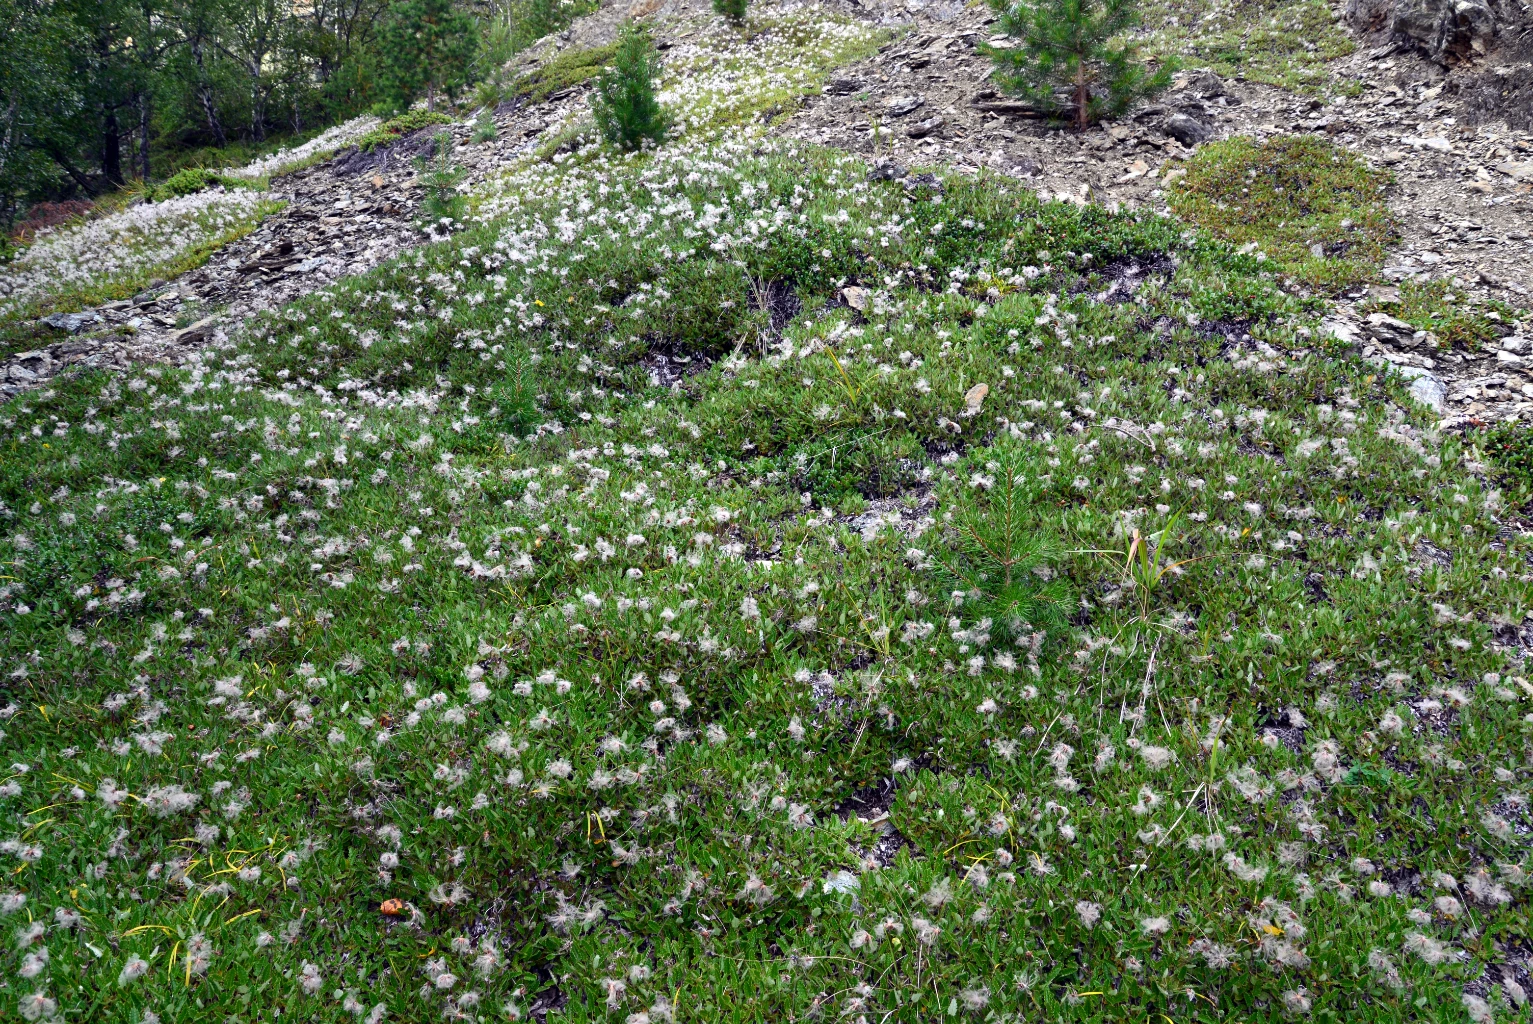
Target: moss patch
<point>572,67</point>
<point>396,128</point>
<point>1316,210</point>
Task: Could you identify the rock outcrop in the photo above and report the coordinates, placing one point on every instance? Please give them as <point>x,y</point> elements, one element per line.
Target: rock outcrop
<point>1448,31</point>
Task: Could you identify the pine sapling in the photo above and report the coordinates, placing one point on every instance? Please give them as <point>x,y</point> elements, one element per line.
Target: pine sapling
<point>428,50</point>
<point>1001,560</point>
<point>731,10</point>
<point>626,109</point>
<point>443,205</point>
<point>1071,59</point>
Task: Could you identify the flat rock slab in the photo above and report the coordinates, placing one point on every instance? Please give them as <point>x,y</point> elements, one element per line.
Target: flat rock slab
<point>71,323</point>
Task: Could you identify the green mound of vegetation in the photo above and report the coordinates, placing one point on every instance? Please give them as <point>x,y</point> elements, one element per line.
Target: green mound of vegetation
<point>397,128</point>
<point>571,67</point>
<point>717,584</point>
<point>190,180</point>
<point>1316,210</point>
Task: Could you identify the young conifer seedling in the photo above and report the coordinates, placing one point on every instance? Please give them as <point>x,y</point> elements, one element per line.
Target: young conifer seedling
<point>1071,59</point>
<point>625,106</point>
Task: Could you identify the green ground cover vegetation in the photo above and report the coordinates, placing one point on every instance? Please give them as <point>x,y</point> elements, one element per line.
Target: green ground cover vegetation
<point>1318,211</point>
<point>717,585</point>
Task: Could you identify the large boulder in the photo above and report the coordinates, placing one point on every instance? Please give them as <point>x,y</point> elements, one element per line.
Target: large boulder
<point>1187,130</point>
<point>1448,31</point>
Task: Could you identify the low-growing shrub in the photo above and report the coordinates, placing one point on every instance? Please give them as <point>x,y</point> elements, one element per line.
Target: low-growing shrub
<point>1317,211</point>
<point>1509,446</point>
<point>1435,306</point>
<point>615,562</point>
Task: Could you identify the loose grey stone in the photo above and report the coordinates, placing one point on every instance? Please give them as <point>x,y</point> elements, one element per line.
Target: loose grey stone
<point>1426,389</point>
<point>1384,328</point>
<point>926,127</point>
<point>71,323</point>
<point>197,332</point>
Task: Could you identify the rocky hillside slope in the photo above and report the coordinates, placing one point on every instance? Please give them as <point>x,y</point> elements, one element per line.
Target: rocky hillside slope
<point>759,580</point>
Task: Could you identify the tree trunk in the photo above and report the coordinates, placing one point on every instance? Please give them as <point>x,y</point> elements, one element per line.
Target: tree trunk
<point>8,143</point>
<point>1082,97</point>
<point>143,137</point>
<point>70,169</point>
<point>205,95</point>
<point>257,108</point>
<point>431,96</point>
<point>111,150</point>
<point>150,50</point>
<point>259,94</point>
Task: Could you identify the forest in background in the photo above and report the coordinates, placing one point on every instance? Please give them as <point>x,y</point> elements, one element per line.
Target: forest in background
<point>95,94</point>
